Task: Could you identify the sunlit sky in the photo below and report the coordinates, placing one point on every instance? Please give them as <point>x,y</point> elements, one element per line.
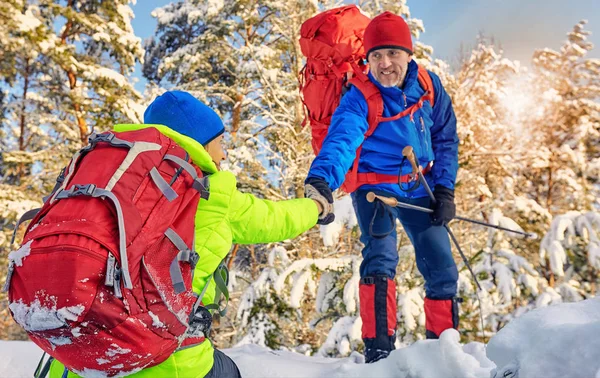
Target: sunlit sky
<point>519,26</point>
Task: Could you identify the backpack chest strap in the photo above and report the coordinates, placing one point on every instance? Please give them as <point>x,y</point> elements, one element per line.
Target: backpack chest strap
<point>410,111</point>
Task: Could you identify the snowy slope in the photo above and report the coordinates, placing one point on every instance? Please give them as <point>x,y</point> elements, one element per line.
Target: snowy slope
<point>556,341</point>
<point>562,340</point>
<point>426,359</point>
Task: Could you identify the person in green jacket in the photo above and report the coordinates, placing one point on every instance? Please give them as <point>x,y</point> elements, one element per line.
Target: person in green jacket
<point>228,216</point>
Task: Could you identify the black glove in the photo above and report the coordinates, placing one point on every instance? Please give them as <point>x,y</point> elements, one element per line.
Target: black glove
<point>317,189</point>
<point>444,209</point>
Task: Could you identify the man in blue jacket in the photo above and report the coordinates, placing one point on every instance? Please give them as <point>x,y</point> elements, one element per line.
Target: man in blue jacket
<point>431,131</point>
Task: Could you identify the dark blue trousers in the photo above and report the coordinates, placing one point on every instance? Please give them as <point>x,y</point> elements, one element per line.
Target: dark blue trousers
<point>224,367</point>
<point>431,243</point>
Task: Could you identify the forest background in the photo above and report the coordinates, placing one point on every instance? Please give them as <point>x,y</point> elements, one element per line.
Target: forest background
<point>529,153</point>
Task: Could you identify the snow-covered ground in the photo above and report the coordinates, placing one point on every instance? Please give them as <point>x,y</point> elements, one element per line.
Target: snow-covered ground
<point>557,341</point>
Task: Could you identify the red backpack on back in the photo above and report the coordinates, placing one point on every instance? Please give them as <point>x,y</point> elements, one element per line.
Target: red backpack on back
<point>103,279</point>
<point>332,43</point>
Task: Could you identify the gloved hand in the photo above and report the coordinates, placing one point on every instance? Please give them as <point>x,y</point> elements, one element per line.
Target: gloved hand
<point>318,190</point>
<point>444,209</point>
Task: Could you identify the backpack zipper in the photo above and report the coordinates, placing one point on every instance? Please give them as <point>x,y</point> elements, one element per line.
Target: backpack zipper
<point>424,134</point>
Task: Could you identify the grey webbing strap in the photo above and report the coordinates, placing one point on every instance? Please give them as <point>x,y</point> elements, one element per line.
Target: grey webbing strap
<point>59,181</point>
<point>69,172</point>
<point>200,183</point>
<point>203,291</point>
<point>163,185</point>
<point>93,191</point>
<point>201,186</point>
<point>185,254</point>
<point>183,164</point>
<point>9,273</point>
<point>176,276</point>
<point>29,215</point>
<point>93,140</point>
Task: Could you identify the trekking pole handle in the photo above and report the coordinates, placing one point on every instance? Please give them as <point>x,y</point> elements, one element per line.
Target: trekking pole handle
<point>391,201</point>
<point>409,153</point>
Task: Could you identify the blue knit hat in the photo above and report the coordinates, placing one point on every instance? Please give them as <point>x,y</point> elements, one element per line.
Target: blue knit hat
<point>185,114</point>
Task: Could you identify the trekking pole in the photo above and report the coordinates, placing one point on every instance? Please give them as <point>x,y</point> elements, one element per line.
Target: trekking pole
<point>408,152</point>
<point>393,202</point>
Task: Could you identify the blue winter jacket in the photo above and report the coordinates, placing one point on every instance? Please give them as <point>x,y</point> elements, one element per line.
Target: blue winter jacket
<point>432,135</point>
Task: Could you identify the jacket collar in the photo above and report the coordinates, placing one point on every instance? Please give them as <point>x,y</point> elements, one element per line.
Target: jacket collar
<point>410,79</point>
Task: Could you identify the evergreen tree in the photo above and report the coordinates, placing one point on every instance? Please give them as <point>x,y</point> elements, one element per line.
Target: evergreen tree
<point>63,73</point>
<point>95,50</point>
<point>567,125</point>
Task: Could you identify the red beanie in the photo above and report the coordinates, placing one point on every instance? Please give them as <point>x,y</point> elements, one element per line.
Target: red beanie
<point>388,30</point>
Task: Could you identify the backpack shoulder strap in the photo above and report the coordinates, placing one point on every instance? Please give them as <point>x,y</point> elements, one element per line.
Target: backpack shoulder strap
<point>372,96</point>
<point>426,83</point>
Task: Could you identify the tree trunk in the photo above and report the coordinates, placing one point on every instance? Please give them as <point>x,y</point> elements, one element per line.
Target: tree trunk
<point>550,273</point>
<point>23,119</point>
<point>253,262</point>
<point>23,116</point>
<point>81,124</point>
<point>550,187</point>
<point>232,255</point>
<point>236,116</point>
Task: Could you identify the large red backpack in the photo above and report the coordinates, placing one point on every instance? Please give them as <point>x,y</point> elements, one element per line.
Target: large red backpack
<point>103,279</point>
<point>332,43</point>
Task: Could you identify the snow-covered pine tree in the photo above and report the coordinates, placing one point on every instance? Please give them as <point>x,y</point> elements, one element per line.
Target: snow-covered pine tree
<point>567,82</point>
<point>211,50</point>
<point>64,70</point>
<point>572,247</point>
<point>93,50</point>
<point>561,172</point>
<point>529,169</point>
<point>24,110</point>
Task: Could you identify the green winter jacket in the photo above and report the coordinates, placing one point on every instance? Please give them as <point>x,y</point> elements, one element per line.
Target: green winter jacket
<point>228,216</point>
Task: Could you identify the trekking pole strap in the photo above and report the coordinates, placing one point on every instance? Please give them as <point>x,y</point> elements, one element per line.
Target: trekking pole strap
<point>221,276</point>
<point>381,206</point>
<point>42,372</point>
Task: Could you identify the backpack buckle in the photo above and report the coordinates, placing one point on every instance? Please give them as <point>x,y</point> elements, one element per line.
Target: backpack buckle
<point>194,258</point>
<point>104,137</point>
<point>200,322</point>
<point>82,190</point>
